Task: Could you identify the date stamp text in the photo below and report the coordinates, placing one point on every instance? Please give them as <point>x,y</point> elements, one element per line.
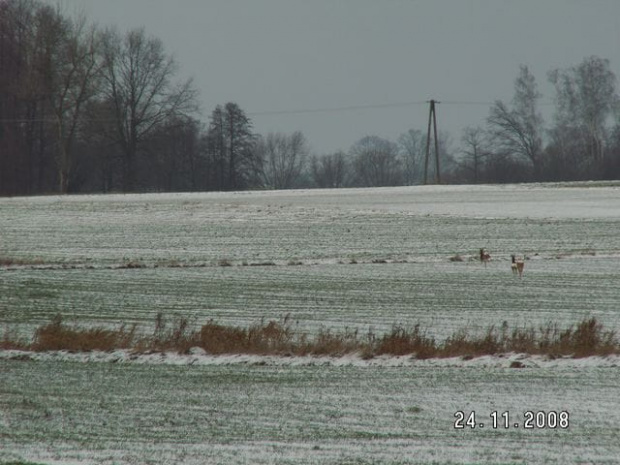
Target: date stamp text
<point>506,420</point>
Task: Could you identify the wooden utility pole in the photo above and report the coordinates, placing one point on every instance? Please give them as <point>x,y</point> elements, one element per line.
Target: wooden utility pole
<point>432,118</point>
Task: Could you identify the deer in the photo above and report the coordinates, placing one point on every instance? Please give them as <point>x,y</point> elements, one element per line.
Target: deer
<point>520,265</point>
<point>513,265</point>
<point>484,257</point>
<point>517,266</point>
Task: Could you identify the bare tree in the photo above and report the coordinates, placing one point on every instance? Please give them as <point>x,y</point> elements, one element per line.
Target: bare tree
<point>138,86</point>
<point>74,83</point>
<point>612,162</point>
<point>517,130</point>
<point>215,150</point>
<point>412,146</point>
<point>585,99</point>
<point>27,37</point>
<point>376,162</point>
<point>12,160</point>
<point>330,170</point>
<point>474,153</point>
<point>173,152</point>
<point>230,148</point>
<point>240,140</point>
<point>281,159</point>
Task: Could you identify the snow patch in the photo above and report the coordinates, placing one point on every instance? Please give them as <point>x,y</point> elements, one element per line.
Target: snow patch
<point>197,356</point>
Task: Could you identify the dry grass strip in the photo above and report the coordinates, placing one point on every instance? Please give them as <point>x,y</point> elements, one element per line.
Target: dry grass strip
<point>586,338</point>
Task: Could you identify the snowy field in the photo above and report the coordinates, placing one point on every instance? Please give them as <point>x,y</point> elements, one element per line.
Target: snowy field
<point>74,412</point>
<point>354,258</point>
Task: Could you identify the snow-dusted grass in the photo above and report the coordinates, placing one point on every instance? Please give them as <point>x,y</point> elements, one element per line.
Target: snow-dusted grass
<point>310,226</point>
<point>364,258</point>
<point>236,414</point>
<point>442,296</point>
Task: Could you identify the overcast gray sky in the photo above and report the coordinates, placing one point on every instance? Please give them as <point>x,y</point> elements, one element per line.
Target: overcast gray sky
<point>285,55</point>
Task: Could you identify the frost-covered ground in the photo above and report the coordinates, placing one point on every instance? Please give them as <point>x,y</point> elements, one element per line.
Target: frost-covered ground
<point>356,258</point>
<point>312,226</point>
<point>75,412</point>
<point>305,243</point>
<point>442,296</point>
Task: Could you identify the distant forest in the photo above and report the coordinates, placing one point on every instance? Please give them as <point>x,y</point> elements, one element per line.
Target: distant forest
<point>89,109</point>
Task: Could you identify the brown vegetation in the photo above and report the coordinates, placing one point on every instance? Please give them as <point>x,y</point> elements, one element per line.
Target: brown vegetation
<point>587,338</point>
<point>58,336</point>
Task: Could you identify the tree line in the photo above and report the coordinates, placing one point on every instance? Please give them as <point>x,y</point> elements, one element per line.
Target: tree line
<point>90,109</point>
<point>582,141</point>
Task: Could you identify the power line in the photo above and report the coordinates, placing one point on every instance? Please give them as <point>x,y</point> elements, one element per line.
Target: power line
<point>374,106</point>
<point>457,102</point>
<point>265,112</point>
<point>335,109</point>
<point>301,111</point>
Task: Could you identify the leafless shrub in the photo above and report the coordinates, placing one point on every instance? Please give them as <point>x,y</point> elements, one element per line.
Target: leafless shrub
<point>175,336</point>
<point>218,339</point>
<point>401,341</point>
<point>590,338</point>
<point>334,344</point>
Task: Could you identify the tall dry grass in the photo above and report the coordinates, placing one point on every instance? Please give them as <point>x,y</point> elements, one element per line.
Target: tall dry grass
<point>58,336</point>
<point>583,339</point>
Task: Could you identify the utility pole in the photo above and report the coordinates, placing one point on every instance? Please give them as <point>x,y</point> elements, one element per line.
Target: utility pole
<point>432,118</point>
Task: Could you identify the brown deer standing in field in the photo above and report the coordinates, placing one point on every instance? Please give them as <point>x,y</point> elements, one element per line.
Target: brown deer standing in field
<point>520,266</point>
<point>513,265</point>
<point>484,257</point>
<point>517,266</point>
